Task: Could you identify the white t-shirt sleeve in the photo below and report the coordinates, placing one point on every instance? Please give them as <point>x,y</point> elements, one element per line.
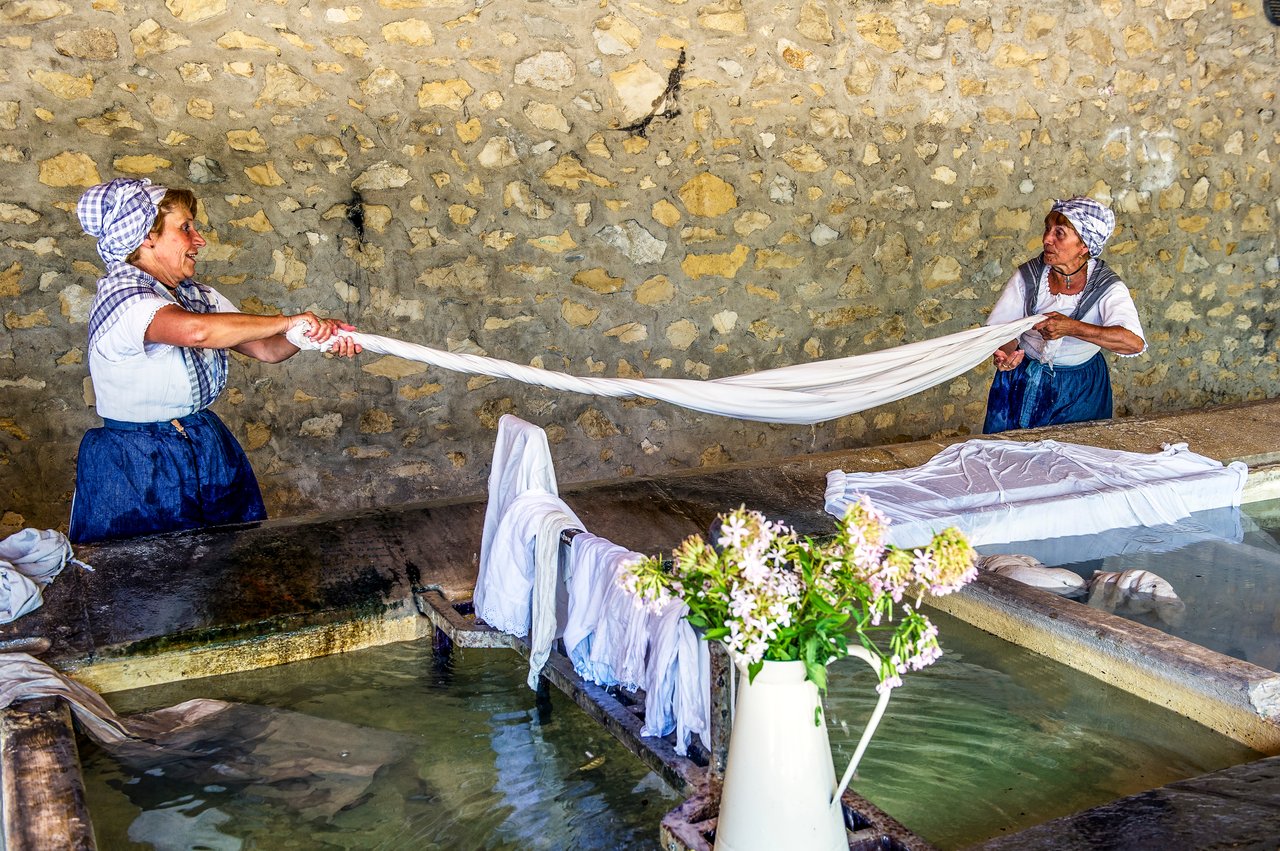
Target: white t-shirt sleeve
<point>1011,304</point>
<point>127,337</point>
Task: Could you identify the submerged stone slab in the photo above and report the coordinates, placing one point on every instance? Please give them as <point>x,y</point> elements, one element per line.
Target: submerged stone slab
<point>1237,807</point>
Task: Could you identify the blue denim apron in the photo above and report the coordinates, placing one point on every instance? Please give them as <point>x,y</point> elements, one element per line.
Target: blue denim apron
<point>142,478</point>
<point>1033,395</point>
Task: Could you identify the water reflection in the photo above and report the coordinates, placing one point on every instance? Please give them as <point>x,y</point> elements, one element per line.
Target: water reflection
<point>466,765</point>
<point>994,738</point>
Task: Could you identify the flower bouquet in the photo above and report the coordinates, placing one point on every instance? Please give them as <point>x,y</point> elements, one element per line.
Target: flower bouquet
<point>771,595</point>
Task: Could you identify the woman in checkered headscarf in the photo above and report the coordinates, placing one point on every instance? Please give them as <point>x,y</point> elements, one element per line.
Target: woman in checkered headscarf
<point>158,344</point>
<point>1055,373</point>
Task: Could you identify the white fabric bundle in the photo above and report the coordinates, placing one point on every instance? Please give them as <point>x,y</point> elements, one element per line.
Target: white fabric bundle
<point>506,603</point>
<point>39,553</point>
<point>594,566</point>
<point>1029,571</point>
<point>997,491</point>
<point>802,393</point>
<point>679,680</point>
<point>29,560</point>
<point>18,594</point>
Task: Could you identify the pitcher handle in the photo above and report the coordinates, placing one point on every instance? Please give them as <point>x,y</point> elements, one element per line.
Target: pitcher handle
<point>865,655</point>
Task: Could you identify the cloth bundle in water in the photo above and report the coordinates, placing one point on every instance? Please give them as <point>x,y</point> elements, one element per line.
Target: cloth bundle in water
<point>997,491</point>
<point>312,766</point>
<point>799,394</point>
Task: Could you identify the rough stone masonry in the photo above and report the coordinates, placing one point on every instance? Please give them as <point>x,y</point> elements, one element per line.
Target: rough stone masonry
<point>653,188</point>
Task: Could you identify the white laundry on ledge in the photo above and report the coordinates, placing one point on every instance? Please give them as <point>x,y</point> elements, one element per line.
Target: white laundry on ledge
<point>527,538</point>
<point>29,560</point>
<point>595,564</point>
<point>997,491</point>
<point>678,694</point>
<point>802,393</point>
<point>518,586</point>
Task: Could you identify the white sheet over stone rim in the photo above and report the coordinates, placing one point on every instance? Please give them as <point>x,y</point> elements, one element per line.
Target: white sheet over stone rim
<point>997,491</point>
<point>801,394</point>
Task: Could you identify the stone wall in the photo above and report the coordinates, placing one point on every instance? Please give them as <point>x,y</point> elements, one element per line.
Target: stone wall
<point>682,189</point>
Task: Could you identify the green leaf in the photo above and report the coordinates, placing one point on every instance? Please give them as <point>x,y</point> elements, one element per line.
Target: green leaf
<point>716,633</point>
<point>753,669</point>
<point>817,674</point>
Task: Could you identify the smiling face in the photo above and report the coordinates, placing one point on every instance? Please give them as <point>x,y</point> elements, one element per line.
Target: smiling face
<point>169,255</point>
<point>1063,248</point>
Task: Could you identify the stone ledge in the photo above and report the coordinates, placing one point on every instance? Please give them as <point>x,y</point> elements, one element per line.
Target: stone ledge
<point>1234,697</point>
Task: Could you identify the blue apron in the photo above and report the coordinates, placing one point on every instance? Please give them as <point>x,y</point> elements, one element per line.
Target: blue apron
<point>1033,395</point>
<point>143,478</point>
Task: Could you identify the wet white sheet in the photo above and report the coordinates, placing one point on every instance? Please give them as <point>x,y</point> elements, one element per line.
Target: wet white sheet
<point>803,393</point>
<point>999,490</point>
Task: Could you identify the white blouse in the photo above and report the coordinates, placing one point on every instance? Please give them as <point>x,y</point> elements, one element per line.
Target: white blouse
<point>1116,307</point>
<point>140,382</point>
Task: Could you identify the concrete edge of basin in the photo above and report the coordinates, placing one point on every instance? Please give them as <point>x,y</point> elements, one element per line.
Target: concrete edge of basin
<point>120,669</point>
<point>1234,697</point>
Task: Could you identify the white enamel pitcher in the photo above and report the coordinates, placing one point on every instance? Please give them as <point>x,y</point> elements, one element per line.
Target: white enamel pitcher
<point>780,789</point>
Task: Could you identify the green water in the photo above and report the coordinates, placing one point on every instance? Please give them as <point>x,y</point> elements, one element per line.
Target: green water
<point>994,738</point>
<point>989,740</point>
<point>472,767</point>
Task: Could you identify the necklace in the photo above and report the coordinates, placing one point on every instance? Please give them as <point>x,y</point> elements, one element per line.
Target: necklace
<point>1066,277</point>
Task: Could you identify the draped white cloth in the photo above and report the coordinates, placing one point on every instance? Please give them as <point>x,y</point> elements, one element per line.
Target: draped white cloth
<point>804,393</point>
<point>594,566</point>
<point>547,588</point>
<point>997,491</point>
<point>524,546</point>
<point>521,462</point>
<point>678,680</point>
<point>518,587</point>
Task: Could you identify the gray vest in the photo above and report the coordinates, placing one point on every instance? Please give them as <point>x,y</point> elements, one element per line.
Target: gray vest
<point>1100,280</point>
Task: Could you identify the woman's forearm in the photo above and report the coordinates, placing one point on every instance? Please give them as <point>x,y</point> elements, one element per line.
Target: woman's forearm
<point>177,327</point>
<point>1113,338</point>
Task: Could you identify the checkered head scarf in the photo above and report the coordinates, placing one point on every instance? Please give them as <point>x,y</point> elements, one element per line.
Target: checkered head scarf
<point>1094,222</point>
<point>119,214</point>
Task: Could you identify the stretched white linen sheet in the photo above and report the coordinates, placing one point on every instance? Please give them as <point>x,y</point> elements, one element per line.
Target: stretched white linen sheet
<point>1003,490</point>
<point>804,393</point>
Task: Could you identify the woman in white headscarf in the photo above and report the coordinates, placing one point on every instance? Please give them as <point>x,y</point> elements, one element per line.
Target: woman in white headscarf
<point>1055,372</point>
<point>158,344</point>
